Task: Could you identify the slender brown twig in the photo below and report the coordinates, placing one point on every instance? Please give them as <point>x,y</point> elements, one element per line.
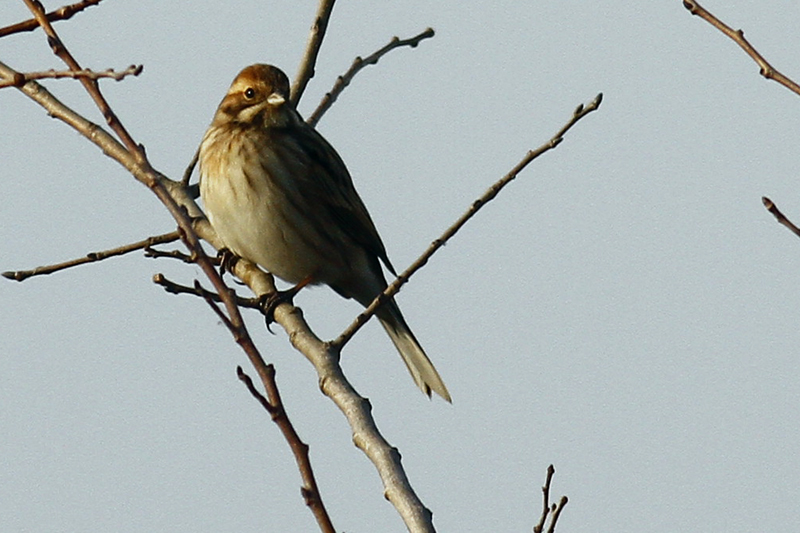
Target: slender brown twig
<point>394,287</point>
<point>198,290</point>
<point>552,511</point>
<point>20,275</point>
<point>62,13</point>
<point>358,64</point>
<point>309,490</point>
<point>18,81</point>
<point>187,174</point>
<point>767,70</point>
<point>306,70</point>
<point>779,216</point>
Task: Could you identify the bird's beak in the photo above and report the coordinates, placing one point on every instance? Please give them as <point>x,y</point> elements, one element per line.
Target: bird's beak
<point>275,99</point>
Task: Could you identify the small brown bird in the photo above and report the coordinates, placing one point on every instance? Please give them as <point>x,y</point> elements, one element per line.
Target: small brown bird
<point>280,196</point>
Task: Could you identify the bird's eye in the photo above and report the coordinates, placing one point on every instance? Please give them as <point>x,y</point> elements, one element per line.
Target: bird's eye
<point>249,93</point>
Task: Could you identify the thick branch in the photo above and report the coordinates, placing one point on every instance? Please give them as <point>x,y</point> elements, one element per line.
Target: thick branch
<point>358,64</point>
<point>20,275</point>
<point>62,13</point>
<point>488,196</point>
<point>307,64</point>
<point>767,70</point>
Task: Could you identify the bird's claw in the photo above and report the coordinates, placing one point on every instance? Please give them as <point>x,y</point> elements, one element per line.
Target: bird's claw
<point>269,302</point>
<point>227,260</point>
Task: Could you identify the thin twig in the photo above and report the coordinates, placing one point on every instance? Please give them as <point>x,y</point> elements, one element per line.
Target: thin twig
<point>306,70</point>
<point>20,275</point>
<point>545,500</point>
<point>767,70</point>
<point>18,81</point>
<point>488,196</point>
<point>176,288</point>
<point>309,490</point>
<point>358,64</point>
<point>551,511</point>
<point>779,216</point>
<point>155,253</point>
<point>62,13</point>
<point>187,174</point>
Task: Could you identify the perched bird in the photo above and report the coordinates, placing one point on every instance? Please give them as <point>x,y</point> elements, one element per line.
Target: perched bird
<point>280,196</point>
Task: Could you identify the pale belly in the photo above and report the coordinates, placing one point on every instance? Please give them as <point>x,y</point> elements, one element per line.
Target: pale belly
<point>260,227</point>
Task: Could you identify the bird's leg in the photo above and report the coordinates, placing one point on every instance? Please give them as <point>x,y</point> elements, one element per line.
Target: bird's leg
<point>269,302</point>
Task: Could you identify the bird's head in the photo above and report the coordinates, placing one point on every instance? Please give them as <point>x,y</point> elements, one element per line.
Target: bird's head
<point>259,94</point>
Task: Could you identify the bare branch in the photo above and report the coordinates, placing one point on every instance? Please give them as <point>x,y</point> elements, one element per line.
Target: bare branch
<point>310,490</point>
<point>20,275</point>
<point>307,64</point>
<point>62,13</point>
<point>358,64</point>
<point>767,70</point>
<point>181,206</point>
<point>488,196</point>
<point>176,288</point>
<point>779,216</point>
<point>90,85</point>
<point>553,511</point>
<point>133,70</point>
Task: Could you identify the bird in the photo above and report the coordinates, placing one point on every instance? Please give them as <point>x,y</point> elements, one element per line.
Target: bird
<point>279,195</point>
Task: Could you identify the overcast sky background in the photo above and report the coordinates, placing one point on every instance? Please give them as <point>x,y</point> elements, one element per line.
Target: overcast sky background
<point>626,310</point>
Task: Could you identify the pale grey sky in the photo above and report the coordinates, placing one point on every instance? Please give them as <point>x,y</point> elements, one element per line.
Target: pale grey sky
<point>626,310</point>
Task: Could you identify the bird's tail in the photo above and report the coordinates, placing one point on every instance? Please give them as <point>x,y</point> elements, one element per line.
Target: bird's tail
<point>418,364</point>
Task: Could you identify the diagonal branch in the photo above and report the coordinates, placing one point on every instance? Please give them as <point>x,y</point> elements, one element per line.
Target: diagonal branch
<point>488,196</point>
<point>306,70</point>
<point>62,13</point>
<point>91,86</point>
<point>767,70</point>
<point>20,275</point>
<point>344,80</point>
<point>310,490</point>
<point>18,81</point>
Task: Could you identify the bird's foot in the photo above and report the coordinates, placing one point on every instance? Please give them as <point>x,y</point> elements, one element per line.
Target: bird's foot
<point>269,302</point>
<point>227,261</point>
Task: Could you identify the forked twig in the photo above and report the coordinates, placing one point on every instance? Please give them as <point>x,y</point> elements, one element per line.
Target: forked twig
<point>394,287</point>
<point>767,70</point>
<point>20,275</point>
<point>554,511</point>
<point>344,80</point>
<point>198,290</point>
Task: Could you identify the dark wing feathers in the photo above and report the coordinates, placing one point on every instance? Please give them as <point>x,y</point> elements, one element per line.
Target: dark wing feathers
<point>336,191</point>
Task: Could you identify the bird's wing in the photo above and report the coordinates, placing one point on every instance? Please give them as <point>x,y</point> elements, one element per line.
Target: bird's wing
<point>330,184</point>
